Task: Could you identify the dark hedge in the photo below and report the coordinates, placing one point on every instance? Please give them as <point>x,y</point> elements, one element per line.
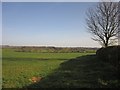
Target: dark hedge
<point>111,55</point>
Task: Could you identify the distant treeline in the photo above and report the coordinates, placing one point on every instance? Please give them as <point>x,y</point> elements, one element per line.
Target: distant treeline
<point>51,49</point>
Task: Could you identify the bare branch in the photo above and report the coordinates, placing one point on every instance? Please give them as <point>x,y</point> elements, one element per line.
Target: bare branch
<point>102,22</point>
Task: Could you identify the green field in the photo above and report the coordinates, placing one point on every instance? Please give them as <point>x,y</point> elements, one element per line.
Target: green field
<point>56,70</point>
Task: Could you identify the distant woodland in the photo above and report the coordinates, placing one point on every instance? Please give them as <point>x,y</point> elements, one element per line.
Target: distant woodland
<point>44,49</point>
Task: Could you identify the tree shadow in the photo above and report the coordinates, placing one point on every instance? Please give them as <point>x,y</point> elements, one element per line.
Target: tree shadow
<point>81,72</point>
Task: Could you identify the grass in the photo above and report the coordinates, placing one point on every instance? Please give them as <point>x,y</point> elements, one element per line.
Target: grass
<point>19,67</point>
<point>56,69</point>
<point>81,72</point>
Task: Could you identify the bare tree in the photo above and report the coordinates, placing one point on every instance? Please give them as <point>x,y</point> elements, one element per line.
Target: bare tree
<point>102,22</point>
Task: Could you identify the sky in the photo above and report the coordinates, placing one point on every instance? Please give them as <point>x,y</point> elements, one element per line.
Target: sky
<point>57,0</point>
<point>60,24</point>
<point>0,23</point>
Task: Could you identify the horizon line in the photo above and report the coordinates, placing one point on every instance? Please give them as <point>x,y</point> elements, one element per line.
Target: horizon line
<point>50,46</point>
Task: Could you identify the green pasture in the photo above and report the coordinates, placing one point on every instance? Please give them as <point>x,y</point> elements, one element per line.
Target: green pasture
<point>56,70</point>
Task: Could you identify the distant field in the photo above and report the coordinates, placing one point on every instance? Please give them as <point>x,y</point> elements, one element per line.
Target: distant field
<point>9,53</point>
<point>55,69</point>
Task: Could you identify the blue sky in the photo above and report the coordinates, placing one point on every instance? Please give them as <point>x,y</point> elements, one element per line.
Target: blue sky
<point>0,23</point>
<point>57,0</point>
<point>46,24</point>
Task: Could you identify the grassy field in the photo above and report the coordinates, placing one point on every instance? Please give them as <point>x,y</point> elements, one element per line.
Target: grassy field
<point>55,70</point>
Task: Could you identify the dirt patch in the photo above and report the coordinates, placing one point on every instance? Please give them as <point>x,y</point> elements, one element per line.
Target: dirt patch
<point>35,79</point>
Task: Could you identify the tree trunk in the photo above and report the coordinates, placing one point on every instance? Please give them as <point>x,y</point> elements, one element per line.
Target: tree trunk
<point>106,43</point>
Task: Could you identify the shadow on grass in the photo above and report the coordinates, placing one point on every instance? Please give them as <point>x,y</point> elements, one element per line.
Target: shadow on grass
<point>81,72</point>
